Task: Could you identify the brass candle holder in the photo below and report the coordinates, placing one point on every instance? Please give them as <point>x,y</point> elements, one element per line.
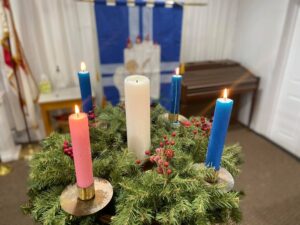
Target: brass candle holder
<point>173,117</point>
<point>85,194</point>
<point>86,201</point>
<point>176,119</point>
<point>221,176</point>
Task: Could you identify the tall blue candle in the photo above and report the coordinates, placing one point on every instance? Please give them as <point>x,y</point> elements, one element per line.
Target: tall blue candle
<point>85,89</point>
<point>175,93</point>
<point>219,130</point>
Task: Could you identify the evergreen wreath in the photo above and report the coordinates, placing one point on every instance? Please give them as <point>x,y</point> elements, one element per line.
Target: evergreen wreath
<point>171,192</point>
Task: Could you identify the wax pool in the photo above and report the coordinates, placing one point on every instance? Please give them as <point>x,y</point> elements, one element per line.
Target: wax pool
<point>79,131</point>
<point>218,132</point>
<point>86,91</point>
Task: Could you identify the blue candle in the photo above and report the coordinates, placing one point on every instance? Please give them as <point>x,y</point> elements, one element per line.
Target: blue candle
<point>175,93</point>
<point>85,89</point>
<point>219,130</point>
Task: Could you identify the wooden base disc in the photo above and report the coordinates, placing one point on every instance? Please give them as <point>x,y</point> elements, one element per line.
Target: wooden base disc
<point>71,204</point>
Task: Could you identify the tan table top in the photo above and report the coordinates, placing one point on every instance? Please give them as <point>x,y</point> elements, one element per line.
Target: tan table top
<point>60,95</point>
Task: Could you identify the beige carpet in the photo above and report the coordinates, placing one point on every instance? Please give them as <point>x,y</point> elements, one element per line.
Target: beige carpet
<point>270,178</point>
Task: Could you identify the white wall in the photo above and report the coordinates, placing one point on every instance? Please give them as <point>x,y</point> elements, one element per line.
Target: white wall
<point>258,36</point>
<point>285,126</point>
<point>208,31</point>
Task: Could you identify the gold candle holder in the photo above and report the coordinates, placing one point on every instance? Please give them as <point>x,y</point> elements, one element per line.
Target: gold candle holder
<point>85,194</point>
<point>174,118</point>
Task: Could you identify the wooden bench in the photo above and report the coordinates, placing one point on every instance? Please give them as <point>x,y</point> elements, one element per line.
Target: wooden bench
<point>204,81</point>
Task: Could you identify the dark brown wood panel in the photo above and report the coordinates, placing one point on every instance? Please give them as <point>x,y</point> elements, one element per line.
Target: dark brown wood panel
<point>204,81</point>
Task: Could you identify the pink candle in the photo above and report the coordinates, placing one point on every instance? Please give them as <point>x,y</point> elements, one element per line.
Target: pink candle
<point>79,130</point>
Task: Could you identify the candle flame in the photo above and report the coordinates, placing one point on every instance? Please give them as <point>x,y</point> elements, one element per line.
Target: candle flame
<point>225,95</point>
<point>83,66</point>
<point>177,71</point>
<point>77,111</point>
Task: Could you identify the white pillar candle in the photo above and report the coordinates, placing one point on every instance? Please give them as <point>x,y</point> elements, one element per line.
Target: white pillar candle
<point>137,105</point>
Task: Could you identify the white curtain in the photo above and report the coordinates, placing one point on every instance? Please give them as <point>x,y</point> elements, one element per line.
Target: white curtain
<point>28,88</point>
<point>57,35</point>
<point>208,31</point>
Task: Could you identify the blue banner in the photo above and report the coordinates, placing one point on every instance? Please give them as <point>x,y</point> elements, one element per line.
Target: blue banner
<point>138,40</point>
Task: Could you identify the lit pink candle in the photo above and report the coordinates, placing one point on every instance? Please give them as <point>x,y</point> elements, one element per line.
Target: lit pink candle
<point>79,130</point>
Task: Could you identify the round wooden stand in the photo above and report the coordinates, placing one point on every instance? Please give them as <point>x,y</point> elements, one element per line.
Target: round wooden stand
<point>71,204</point>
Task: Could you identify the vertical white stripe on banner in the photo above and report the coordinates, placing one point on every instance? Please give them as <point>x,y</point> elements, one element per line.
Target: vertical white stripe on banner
<point>133,22</point>
<point>148,22</point>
